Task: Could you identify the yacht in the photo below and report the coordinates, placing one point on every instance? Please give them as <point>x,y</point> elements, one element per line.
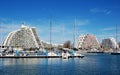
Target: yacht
<point>65,54</point>
<point>52,54</point>
<point>116,52</point>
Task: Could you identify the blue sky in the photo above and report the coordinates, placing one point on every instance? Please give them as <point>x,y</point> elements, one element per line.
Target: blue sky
<point>97,17</point>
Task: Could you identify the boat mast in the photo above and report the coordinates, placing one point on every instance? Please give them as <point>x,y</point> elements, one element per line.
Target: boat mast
<point>63,34</point>
<point>116,36</point>
<point>50,34</point>
<point>0,36</point>
<point>74,34</point>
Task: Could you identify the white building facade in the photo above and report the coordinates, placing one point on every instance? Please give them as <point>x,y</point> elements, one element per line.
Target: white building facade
<point>26,37</point>
<point>87,41</point>
<point>109,43</point>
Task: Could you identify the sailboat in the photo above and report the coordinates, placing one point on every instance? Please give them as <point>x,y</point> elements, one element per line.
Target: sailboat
<point>69,52</point>
<point>65,54</point>
<point>76,54</point>
<point>116,51</point>
<point>51,53</point>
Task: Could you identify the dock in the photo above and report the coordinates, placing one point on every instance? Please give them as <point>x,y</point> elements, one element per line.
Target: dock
<point>39,56</point>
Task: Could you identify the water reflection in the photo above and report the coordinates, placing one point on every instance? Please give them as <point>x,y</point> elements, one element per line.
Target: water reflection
<point>29,61</point>
<point>92,64</point>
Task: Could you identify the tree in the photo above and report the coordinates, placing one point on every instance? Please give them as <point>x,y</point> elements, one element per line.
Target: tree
<point>119,44</point>
<point>67,44</point>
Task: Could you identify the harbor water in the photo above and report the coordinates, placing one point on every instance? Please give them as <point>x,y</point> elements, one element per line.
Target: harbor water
<point>91,64</point>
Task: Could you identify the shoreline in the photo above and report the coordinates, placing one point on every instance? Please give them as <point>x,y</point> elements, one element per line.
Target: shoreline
<point>39,56</point>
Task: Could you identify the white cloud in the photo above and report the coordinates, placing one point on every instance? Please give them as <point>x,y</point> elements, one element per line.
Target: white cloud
<point>100,37</point>
<point>108,12</point>
<point>58,28</point>
<point>98,10</point>
<point>57,32</point>
<point>6,28</point>
<point>82,22</point>
<point>3,19</point>
<point>108,29</point>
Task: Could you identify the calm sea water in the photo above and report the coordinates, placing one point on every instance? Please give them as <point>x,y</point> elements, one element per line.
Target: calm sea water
<point>91,64</point>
